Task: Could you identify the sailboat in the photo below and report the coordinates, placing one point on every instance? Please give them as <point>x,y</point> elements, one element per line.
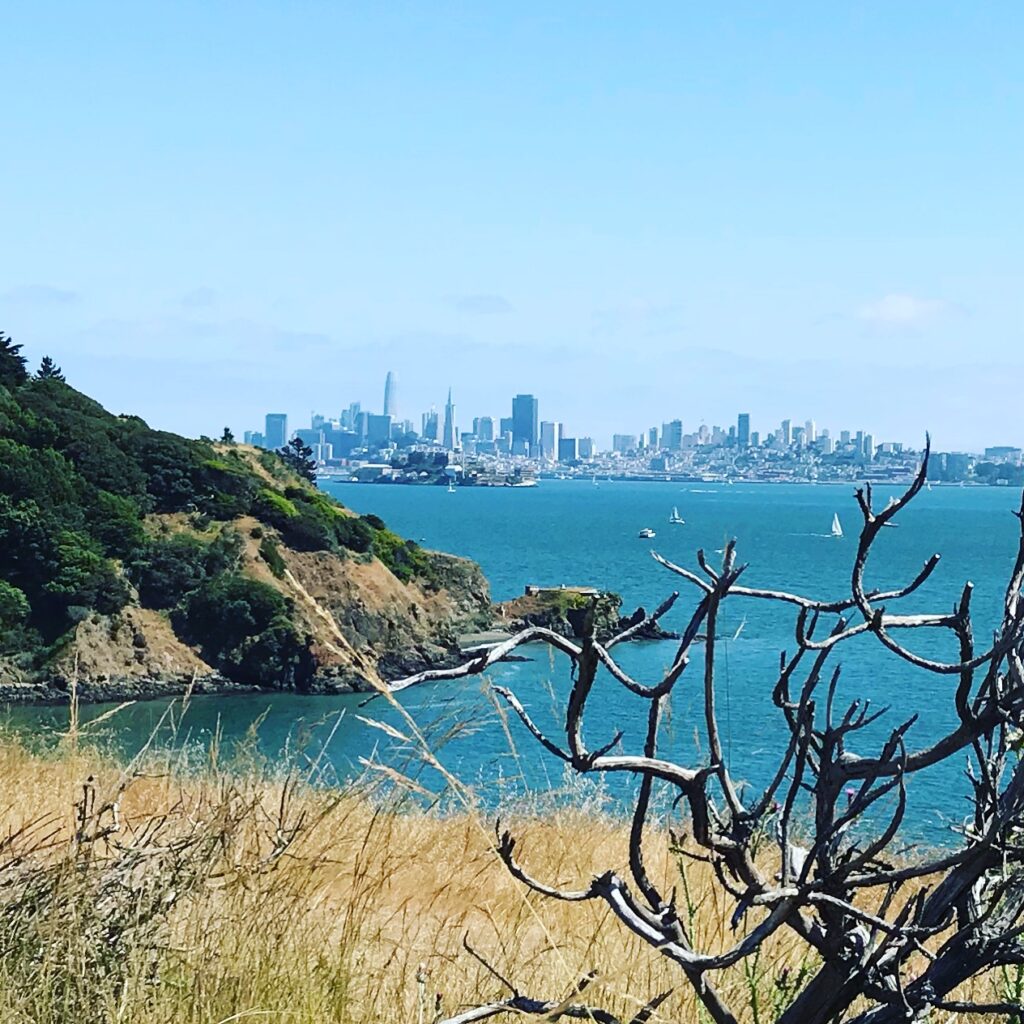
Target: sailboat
<point>837,528</point>
<point>451,486</point>
<point>676,517</point>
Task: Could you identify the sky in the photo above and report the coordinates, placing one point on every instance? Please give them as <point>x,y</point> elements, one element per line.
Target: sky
<point>636,212</point>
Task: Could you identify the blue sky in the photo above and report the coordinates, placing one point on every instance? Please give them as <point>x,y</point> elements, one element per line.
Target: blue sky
<point>636,212</point>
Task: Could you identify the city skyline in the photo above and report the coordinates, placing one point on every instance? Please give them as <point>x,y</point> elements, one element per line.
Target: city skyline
<point>677,207</point>
<point>527,425</point>
<point>366,446</point>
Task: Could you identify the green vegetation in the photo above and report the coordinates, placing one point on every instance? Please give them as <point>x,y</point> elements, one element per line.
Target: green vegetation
<point>99,511</point>
<point>298,457</point>
<point>243,628</point>
<point>405,558</point>
<point>271,554</point>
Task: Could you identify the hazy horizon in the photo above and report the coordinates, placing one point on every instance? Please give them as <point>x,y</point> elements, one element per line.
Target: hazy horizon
<point>213,213</point>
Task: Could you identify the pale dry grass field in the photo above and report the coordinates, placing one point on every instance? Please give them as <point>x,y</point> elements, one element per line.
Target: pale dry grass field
<point>236,894</point>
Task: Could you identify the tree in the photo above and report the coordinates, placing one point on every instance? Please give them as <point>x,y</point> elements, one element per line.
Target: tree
<point>12,363</point>
<point>820,852</point>
<point>299,457</point>
<point>227,437</point>
<point>49,370</point>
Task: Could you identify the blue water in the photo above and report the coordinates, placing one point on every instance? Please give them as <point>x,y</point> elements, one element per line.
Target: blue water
<point>572,532</point>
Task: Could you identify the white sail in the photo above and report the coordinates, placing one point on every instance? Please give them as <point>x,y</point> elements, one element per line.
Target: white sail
<point>837,529</point>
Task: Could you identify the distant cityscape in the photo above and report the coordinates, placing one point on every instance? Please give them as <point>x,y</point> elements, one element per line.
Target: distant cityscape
<point>364,446</point>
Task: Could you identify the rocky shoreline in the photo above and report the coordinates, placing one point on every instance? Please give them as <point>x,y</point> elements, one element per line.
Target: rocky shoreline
<point>57,689</point>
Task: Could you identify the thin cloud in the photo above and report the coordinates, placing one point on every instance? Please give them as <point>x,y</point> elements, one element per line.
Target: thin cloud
<point>200,298</point>
<point>647,319</point>
<point>481,304</point>
<point>902,311</point>
<point>42,295</point>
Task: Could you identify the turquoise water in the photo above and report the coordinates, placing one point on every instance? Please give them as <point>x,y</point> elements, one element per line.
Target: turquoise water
<point>572,532</point>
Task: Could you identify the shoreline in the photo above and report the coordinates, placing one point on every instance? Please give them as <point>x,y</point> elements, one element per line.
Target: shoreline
<point>660,479</point>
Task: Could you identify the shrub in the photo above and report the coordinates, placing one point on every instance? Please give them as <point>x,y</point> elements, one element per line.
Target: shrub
<point>353,533</point>
<point>271,554</point>
<point>14,606</point>
<point>115,521</point>
<point>83,577</point>
<point>172,468</point>
<point>406,559</point>
<point>242,628</point>
<point>230,489</point>
<point>308,532</point>
<point>274,508</point>
<point>168,570</point>
<point>277,657</point>
<point>224,552</point>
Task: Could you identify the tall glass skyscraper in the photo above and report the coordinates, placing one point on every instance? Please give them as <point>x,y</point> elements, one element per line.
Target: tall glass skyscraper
<point>743,430</point>
<point>276,433</point>
<point>525,420</point>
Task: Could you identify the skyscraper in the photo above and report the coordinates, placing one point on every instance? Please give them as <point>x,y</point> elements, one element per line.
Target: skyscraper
<point>483,428</point>
<point>276,432</point>
<point>810,432</point>
<point>672,435</point>
<point>743,430</point>
<point>550,433</point>
<point>390,395</point>
<point>525,420</point>
<point>450,437</point>
<point>787,433</point>
<point>429,425</point>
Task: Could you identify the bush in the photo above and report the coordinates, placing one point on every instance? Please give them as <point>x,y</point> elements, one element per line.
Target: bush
<point>231,489</point>
<point>406,559</point>
<point>224,552</point>
<point>353,533</point>
<point>242,628</point>
<point>274,508</point>
<point>14,606</point>
<point>277,657</point>
<point>115,521</point>
<point>271,554</point>
<point>168,570</point>
<point>308,532</point>
<point>83,577</point>
<point>173,468</point>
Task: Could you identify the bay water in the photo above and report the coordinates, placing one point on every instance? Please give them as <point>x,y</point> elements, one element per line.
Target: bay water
<point>575,533</point>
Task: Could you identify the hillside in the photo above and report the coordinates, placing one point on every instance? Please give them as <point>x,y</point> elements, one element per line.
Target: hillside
<point>140,562</point>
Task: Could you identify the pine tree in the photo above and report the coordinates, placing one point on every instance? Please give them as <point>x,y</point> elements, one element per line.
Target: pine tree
<point>227,437</point>
<point>299,457</point>
<point>49,370</point>
<point>12,363</point>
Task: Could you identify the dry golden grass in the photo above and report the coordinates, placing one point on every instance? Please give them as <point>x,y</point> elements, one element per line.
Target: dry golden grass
<point>360,920</point>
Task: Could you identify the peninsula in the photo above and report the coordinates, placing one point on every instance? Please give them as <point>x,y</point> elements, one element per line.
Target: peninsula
<point>135,562</point>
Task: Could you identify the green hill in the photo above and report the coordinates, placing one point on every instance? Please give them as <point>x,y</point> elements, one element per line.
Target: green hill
<point>105,521</point>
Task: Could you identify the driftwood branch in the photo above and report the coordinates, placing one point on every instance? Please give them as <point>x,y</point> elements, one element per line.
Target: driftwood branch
<point>837,881</point>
